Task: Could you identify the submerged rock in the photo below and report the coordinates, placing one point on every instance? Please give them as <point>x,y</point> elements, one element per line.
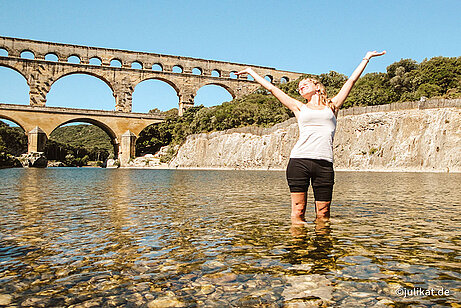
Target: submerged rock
<point>5,299</point>
<point>313,289</point>
<point>165,302</point>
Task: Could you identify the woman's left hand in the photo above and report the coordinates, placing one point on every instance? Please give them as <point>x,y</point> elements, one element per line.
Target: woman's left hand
<point>248,70</point>
<point>374,53</point>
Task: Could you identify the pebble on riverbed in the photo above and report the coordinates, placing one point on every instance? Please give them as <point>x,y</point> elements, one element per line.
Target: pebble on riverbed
<point>5,299</point>
<point>162,302</point>
<point>309,289</point>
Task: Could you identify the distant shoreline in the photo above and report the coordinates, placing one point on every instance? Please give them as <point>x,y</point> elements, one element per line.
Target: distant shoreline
<point>166,167</point>
<point>409,170</point>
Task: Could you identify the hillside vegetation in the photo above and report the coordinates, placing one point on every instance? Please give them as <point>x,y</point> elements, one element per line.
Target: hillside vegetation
<point>82,135</point>
<point>75,145</point>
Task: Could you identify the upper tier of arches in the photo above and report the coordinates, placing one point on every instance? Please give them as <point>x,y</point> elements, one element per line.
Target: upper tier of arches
<point>92,57</point>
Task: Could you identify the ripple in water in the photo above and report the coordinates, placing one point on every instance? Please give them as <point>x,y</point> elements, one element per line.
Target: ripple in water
<point>151,238</point>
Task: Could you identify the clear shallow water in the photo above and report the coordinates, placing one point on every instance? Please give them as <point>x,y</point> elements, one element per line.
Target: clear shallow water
<point>222,238</point>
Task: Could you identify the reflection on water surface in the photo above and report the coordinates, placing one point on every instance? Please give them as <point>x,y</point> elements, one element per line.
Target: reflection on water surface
<point>222,238</point>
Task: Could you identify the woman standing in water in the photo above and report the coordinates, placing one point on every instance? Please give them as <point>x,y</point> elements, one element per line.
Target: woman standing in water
<point>311,159</point>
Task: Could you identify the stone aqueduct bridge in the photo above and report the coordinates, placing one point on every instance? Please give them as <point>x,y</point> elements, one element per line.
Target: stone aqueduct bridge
<point>122,125</point>
<point>38,122</point>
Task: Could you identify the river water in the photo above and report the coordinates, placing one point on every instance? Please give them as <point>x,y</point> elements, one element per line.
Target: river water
<point>86,237</point>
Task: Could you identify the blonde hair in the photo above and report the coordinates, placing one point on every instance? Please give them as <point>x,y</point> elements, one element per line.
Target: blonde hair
<point>322,92</point>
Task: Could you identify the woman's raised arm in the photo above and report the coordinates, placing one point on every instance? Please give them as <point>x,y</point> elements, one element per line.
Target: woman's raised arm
<point>339,99</point>
<point>291,103</point>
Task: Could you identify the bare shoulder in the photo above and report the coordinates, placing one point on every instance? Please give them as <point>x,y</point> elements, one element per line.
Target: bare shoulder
<point>297,104</point>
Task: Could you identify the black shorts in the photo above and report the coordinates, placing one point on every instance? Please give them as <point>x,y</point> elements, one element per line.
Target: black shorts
<point>301,171</point>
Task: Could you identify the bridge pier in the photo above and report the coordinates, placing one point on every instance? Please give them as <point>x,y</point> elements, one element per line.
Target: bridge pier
<point>127,148</point>
<point>123,99</point>
<point>36,140</point>
<point>183,107</point>
<point>186,99</point>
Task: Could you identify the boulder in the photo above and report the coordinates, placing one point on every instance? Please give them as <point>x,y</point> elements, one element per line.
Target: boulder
<point>111,163</point>
<point>55,163</point>
<point>34,160</point>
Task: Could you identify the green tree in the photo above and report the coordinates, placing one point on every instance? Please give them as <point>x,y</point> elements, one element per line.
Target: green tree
<point>401,76</point>
<point>441,71</point>
<point>70,160</point>
<point>405,65</point>
<point>428,90</point>
<point>333,82</point>
<point>371,89</point>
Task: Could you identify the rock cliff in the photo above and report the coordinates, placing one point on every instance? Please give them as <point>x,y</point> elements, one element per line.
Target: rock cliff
<point>404,137</point>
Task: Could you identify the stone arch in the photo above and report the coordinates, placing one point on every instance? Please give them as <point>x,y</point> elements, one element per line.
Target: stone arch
<point>269,78</point>
<point>144,136</point>
<point>169,83</point>
<point>137,65</point>
<point>92,59</point>
<point>60,54</point>
<point>97,123</point>
<point>6,50</point>
<point>113,137</point>
<point>15,69</point>
<point>22,143</point>
<point>157,67</point>
<point>25,51</point>
<point>51,54</point>
<point>178,67</point>
<point>4,117</point>
<point>84,73</point>
<point>222,85</point>
<point>18,90</point>
<point>74,55</point>
<point>115,60</point>
<point>197,71</point>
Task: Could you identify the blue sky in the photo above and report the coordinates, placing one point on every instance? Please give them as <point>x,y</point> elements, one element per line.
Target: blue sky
<point>302,36</point>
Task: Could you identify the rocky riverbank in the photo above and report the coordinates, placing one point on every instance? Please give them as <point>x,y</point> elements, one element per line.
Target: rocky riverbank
<point>414,139</point>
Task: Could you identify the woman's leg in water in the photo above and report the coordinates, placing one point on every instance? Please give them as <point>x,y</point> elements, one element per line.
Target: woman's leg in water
<point>322,209</point>
<point>298,207</point>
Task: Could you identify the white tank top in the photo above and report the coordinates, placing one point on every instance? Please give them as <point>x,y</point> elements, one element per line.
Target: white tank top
<point>316,132</point>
